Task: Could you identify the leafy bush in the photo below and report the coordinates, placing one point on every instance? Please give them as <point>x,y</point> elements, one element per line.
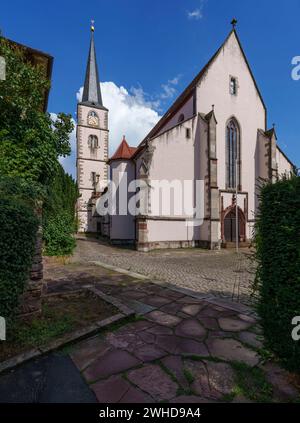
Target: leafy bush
<point>58,235</point>
<point>31,143</point>
<point>18,228</point>
<point>21,189</point>
<point>59,221</point>
<point>30,140</point>
<point>277,241</point>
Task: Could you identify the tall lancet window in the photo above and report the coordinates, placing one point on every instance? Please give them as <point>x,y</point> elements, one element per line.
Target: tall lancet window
<point>93,142</point>
<point>233,159</point>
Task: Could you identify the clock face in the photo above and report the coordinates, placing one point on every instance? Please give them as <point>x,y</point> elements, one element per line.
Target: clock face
<point>93,119</point>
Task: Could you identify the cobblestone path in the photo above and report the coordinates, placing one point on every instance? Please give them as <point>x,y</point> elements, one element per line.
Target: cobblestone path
<point>219,273</point>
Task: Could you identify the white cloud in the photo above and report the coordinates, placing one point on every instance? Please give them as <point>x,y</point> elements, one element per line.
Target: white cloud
<point>130,113</point>
<point>197,13</point>
<point>175,80</point>
<point>168,89</point>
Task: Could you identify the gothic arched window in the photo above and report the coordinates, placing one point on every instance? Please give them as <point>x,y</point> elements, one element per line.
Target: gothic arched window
<point>233,160</point>
<point>93,142</point>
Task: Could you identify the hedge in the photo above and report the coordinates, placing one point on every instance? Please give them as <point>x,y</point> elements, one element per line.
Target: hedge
<point>18,229</point>
<point>58,235</point>
<point>59,220</point>
<point>277,239</point>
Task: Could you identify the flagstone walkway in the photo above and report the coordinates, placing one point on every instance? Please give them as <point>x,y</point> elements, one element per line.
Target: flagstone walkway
<point>183,346</point>
<point>180,352</point>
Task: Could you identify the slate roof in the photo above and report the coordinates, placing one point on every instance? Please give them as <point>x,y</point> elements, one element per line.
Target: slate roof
<point>91,91</point>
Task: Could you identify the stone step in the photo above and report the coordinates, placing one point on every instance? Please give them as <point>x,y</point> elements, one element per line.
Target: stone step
<point>230,245</point>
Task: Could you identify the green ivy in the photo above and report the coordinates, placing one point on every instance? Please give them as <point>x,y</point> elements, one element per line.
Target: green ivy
<point>30,141</point>
<point>277,242</point>
<point>21,189</point>
<point>18,228</point>
<point>58,235</point>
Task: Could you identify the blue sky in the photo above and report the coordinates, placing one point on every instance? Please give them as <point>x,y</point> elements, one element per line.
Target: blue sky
<point>149,50</point>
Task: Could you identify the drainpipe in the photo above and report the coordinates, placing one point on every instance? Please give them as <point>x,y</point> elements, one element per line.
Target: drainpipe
<point>237,207</point>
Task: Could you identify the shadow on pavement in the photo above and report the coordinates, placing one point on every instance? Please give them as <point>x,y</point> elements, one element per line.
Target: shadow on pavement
<point>49,379</point>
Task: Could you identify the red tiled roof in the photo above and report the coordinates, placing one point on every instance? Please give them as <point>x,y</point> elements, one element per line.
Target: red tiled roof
<point>133,150</point>
<point>124,152</point>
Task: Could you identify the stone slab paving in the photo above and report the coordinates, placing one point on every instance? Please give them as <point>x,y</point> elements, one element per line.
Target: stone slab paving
<point>182,349</point>
<point>183,355</point>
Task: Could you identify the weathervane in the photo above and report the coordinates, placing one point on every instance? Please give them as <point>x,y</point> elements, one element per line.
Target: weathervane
<point>92,25</point>
<point>233,23</point>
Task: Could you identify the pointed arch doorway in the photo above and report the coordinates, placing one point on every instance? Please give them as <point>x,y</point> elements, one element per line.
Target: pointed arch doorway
<point>229,225</point>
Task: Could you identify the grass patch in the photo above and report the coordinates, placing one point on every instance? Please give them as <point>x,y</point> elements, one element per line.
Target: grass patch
<point>39,331</point>
<point>184,392</point>
<point>229,397</point>
<point>181,391</point>
<point>61,314</point>
<point>250,382</point>
<point>118,325</point>
<point>168,371</point>
<point>189,376</point>
<point>266,355</point>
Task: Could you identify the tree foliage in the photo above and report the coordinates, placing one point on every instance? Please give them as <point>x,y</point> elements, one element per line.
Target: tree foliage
<point>30,141</point>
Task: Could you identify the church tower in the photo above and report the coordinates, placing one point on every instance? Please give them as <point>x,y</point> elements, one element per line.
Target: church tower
<point>92,145</point>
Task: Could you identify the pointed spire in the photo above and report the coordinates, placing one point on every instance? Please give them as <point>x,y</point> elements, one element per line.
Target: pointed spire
<point>91,91</point>
<point>271,132</point>
<point>211,114</point>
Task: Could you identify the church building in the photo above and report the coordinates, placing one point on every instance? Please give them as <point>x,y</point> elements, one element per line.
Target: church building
<point>216,131</point>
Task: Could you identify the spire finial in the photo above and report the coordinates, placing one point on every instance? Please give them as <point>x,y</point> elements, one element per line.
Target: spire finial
<point>234,23</point>
<point>274,124</point>
<point>92,25</point>
<point>213,106</point>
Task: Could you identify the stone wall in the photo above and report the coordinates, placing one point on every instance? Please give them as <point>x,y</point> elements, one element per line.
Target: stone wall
<point>31,302</point>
